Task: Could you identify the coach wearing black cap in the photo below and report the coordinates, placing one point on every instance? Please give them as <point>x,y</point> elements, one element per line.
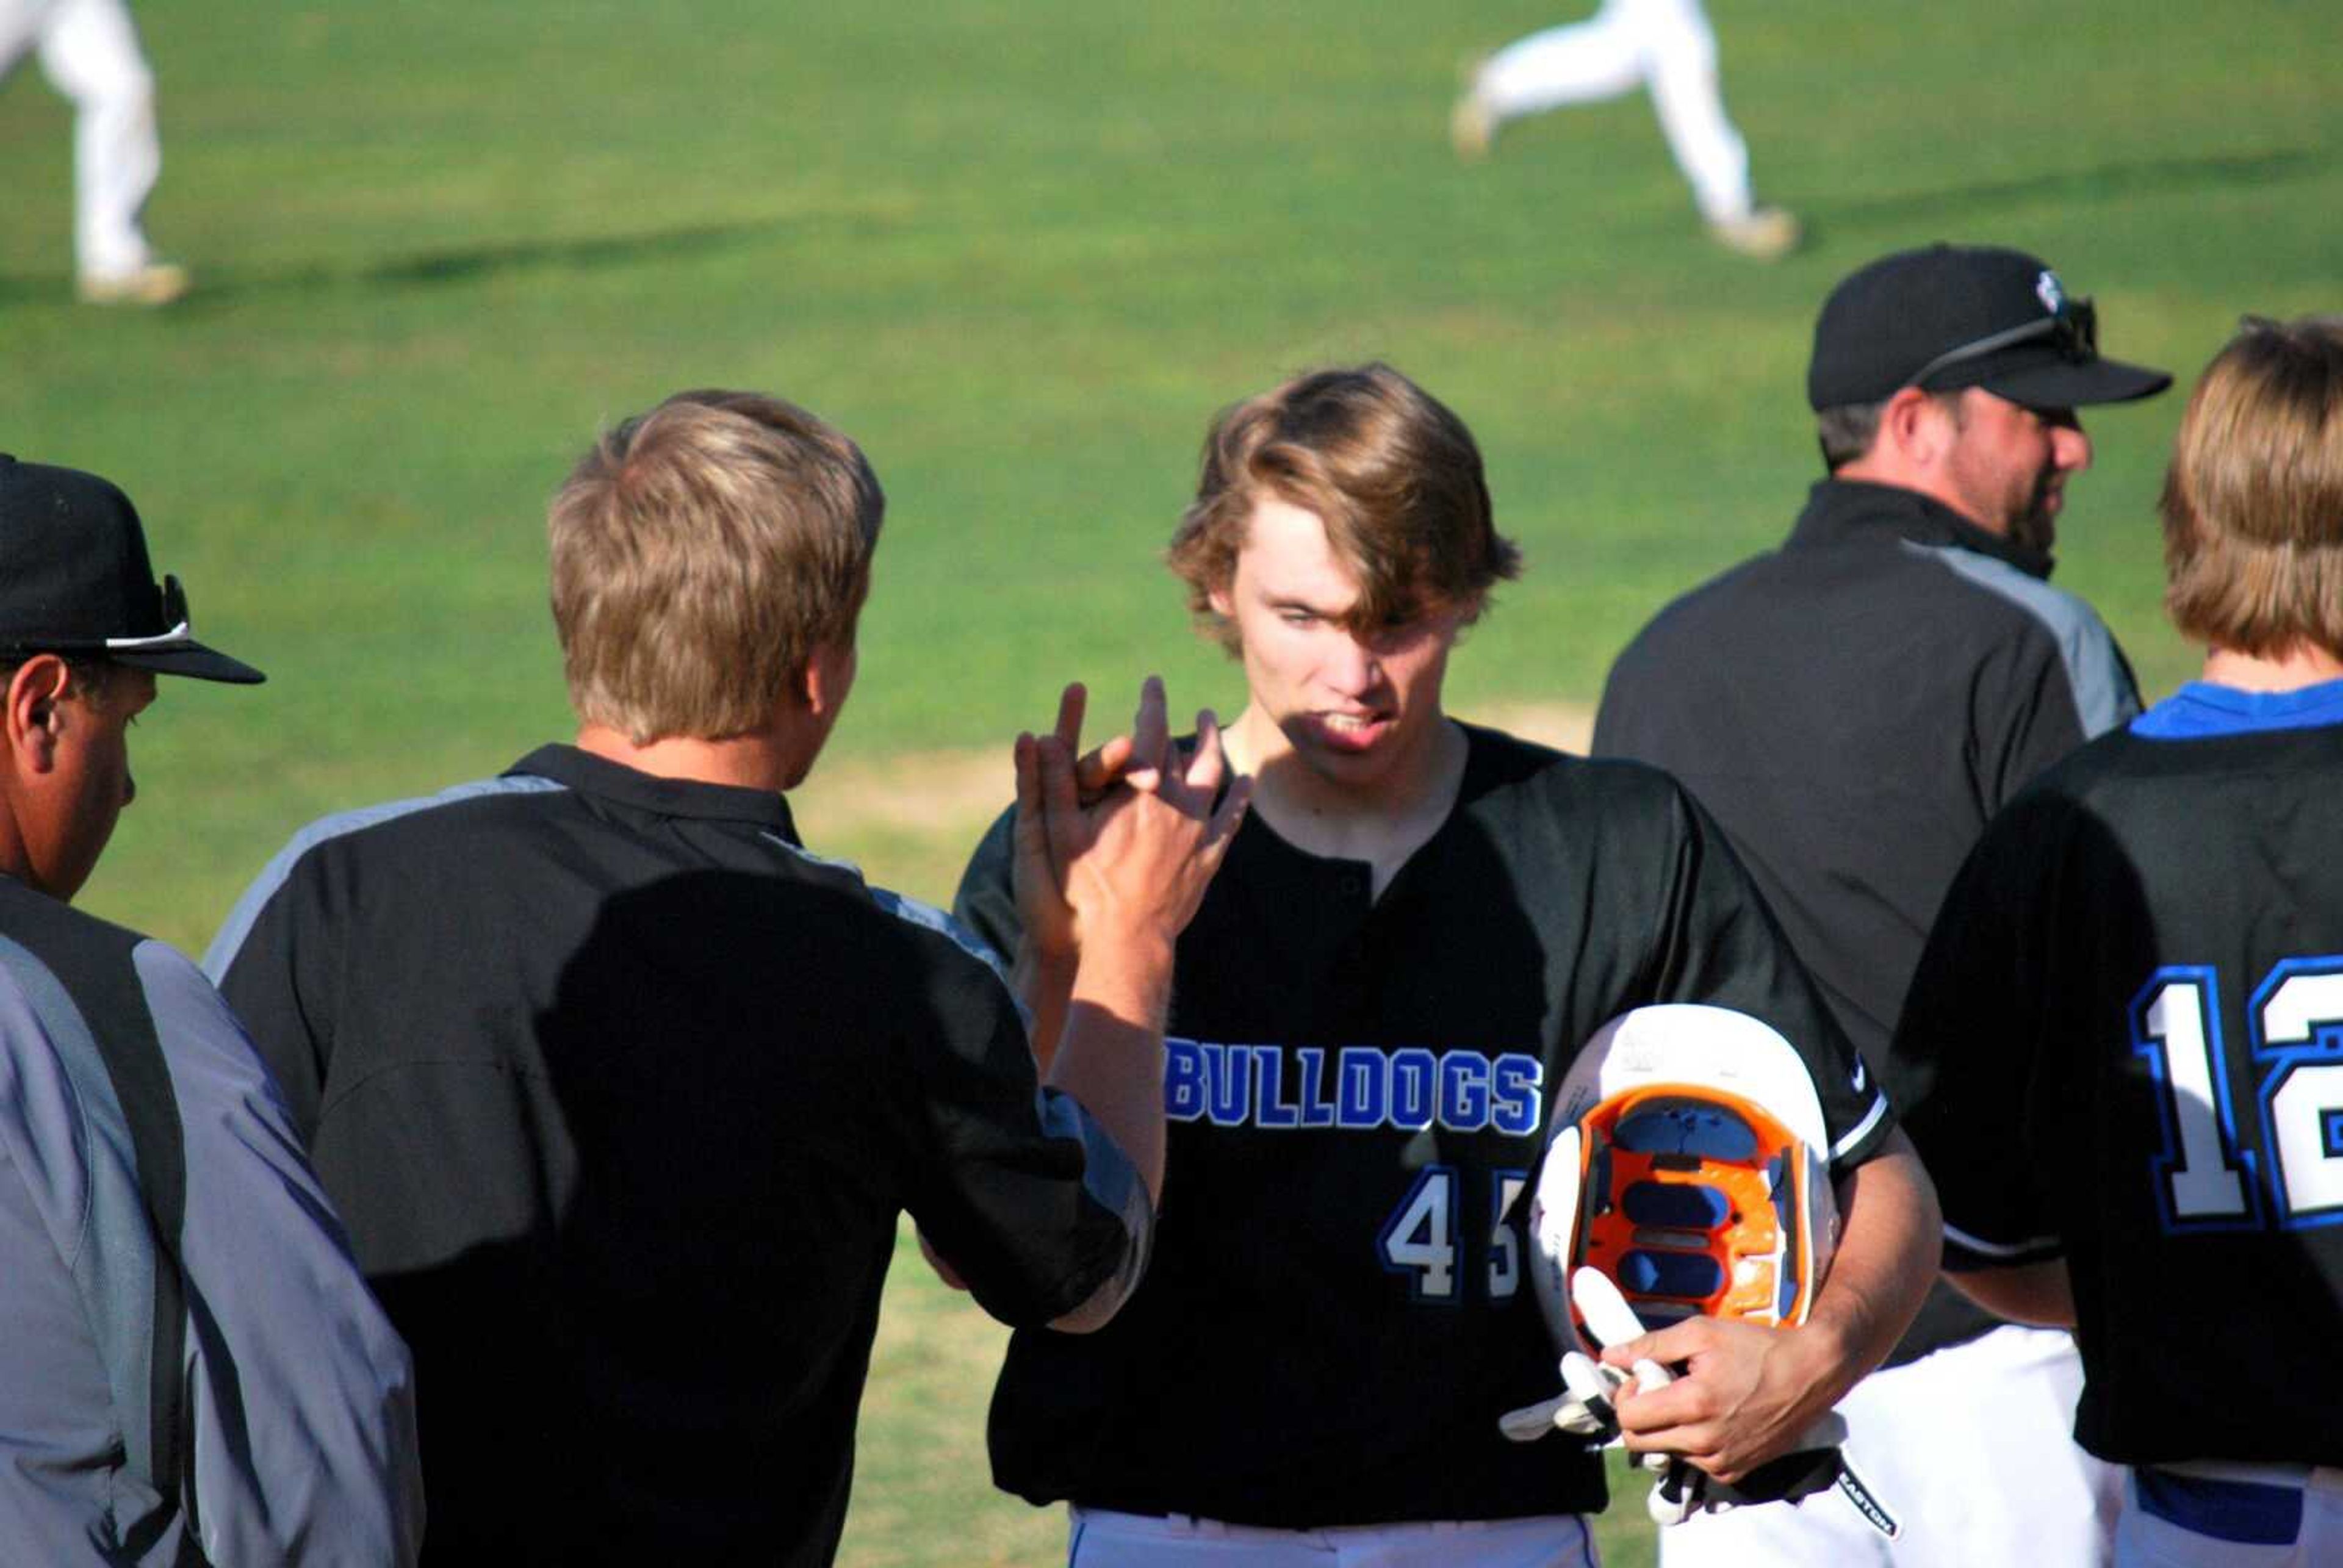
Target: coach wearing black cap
<point>191,1369</point>
<point>1853,707</point>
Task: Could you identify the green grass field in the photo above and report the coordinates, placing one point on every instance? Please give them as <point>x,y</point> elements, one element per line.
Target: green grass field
<point>1023,253</point>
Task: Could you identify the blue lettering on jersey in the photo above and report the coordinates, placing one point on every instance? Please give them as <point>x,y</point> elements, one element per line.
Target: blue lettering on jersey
<point>1412,1072</point>
<point>1316,1110</point>
<point>1228,1079</point>
<point>1516,1084</point>
<point>1366,1088</point>
<point>1184,1080</point>
<point>1463,1089</point>
<point>1411,1088</point>
<point>1270,1111</point>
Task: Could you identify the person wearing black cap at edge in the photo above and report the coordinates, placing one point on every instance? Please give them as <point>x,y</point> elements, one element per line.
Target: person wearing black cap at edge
<point>1853,707</point>
<point>191,1368</point>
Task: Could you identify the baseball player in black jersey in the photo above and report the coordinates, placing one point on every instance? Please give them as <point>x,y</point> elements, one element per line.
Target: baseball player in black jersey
<point>1416,928</point>
<point>2127,1033</point>
<point>623,1091</point>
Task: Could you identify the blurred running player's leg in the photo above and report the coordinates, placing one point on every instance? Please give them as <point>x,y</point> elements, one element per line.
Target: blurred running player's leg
<point>1586,62</point>
<point>89,51</point>
<point>1666,45</point>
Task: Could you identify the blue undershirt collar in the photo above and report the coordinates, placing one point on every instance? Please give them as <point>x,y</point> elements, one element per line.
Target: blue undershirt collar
<point>2203,710</point>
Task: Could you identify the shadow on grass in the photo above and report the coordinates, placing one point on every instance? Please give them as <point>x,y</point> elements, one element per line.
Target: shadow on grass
<point>220,286</point>
<point>2142,176</point>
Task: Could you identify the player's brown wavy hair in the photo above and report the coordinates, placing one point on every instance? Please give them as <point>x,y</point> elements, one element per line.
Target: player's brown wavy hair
<point>701,553</point>
<point>2253,501</point>
<point>1391,471</point>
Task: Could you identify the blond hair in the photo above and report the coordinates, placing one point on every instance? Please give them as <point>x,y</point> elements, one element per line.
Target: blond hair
<point>701,553</point>
<point>2253,502</point>
<point>1392,473</point>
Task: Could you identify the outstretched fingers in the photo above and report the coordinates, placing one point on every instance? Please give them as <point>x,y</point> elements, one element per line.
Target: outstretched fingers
<point>1211,782</point>
<point>1033,821</point>
<point>1060,801</point>
<point>1072,703</point>
<point>1207,763</point>
<point>1101,768</point>
<point>1151,737</point>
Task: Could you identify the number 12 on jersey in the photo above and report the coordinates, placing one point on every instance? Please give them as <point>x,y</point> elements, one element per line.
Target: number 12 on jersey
<point>2205,1181</point>
<point>1421,1239</point>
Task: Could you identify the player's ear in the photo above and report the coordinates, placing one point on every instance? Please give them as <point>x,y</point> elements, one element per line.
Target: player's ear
<point>1223,603</point>
<point>34,711</point>
<point>828,677</point>
<point>1916,424</point>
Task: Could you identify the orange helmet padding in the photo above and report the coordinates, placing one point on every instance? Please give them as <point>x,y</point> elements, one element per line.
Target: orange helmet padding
<point>1694,1202</point>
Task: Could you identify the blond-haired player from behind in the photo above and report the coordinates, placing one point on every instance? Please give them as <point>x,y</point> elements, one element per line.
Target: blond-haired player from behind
<point>2126,1035</point>
<point>622,1090</point>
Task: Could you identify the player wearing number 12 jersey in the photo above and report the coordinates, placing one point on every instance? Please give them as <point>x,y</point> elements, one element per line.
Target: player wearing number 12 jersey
<point>2128,1022</point>
<point>1417,926</point>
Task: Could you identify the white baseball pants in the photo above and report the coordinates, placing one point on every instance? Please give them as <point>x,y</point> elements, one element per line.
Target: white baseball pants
<point>1666,45</point>
<point>1971,1448</point>
<point>89,51</point>
<point>1099,1538</point>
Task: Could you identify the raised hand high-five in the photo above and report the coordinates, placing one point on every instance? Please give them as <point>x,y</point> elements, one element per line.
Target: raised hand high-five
<point>1115,847</point>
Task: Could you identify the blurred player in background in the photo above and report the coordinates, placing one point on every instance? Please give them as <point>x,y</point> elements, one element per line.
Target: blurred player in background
<point>89,51</point>
<point>622,1090</point>
<point>1854,706</point>
<point>2125,1040</point>
<point>1666,46</point>
<point>1417,928</point>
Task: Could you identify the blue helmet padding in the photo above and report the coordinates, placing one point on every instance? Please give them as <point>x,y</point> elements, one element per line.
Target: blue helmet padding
<point>1707,1132</point>
<point>1676,1206</point>
<point>1687,1276</point>
<point>1785,1209</point>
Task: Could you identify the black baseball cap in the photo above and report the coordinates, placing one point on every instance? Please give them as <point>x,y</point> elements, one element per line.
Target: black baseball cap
<point>74,578</point>
<point>1950,316</point>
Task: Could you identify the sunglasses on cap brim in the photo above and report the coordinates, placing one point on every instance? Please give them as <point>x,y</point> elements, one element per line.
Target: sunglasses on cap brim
<point>178,631</point>
<point>2074,332</point>
<point>178,628</point>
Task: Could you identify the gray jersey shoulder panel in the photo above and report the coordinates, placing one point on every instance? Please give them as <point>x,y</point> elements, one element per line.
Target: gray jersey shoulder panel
<point>2095,673</point>
<point>240,920</point>
<point>61,1483</point>
<point>110,1254</point>
<point>300,1393</point>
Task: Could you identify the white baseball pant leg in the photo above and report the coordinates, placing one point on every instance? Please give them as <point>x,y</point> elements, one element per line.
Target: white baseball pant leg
<point>1100,1538</point>
<point>2216,1515</point>
<point>89,51</point>
<point>1667,46</point>
<point>1970,1448</point>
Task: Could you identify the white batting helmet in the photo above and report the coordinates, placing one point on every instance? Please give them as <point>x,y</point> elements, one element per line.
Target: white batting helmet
<point>1688,1164</point>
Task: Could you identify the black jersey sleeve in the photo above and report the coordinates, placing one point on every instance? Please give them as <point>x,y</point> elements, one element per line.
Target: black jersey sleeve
<point>1971,1038</point>
<point>987,901</point>
<point>1029,1198</point>
<point>1717,942</point>
<point>2037,700</point>
<point>271,962</point>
